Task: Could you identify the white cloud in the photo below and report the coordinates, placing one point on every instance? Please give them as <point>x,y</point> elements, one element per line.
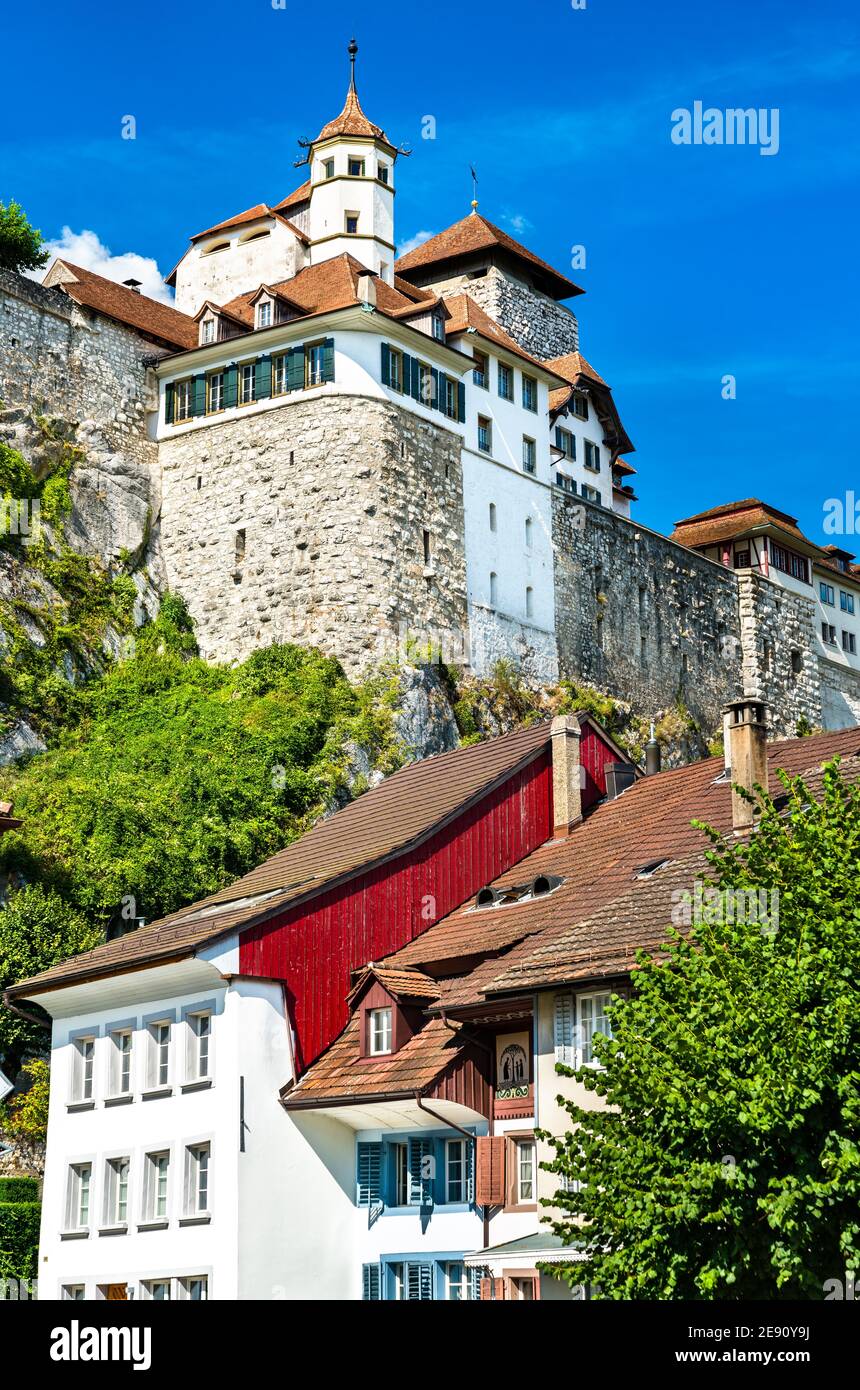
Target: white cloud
<point>516,220</point>
<point>86,250</point>
<point>417,240</point>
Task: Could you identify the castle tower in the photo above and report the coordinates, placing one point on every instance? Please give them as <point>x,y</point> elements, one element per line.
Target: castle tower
<point>352,188</point>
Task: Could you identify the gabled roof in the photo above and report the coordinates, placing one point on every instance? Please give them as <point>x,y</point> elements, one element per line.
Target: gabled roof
<point>475,234</point>
<point>466,315</point>
<point>734,519</point>
<point>254,214</point>
<point>390,820</point>
<point>322,288</point>
<point>572,366</point>
<point>298,196</point>
<point>400,984</point>
<point>148,316</point>
<point>342,1073</point>
<point>580,375</point>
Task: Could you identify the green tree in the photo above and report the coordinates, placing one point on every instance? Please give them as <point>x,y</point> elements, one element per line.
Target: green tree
<point>26,1116</point>
<point>21,245</point>
<point>727,1165</point>
<point>37,929</point>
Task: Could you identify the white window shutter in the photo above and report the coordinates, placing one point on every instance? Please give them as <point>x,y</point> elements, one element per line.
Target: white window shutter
<point>565,1042</point>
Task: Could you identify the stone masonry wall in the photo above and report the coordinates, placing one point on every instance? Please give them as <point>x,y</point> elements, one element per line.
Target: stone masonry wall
<point>777,637</point>
<point>642,618</point>
<point>57,358</point>
<point>840,695</point>
<point>539,324</point>
<point>332,495</point>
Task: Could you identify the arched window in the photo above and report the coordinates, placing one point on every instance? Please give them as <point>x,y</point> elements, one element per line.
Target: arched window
<point>530,602</point>
<point>492,516</point>
<point>494,589</point>
<point>528,532</point>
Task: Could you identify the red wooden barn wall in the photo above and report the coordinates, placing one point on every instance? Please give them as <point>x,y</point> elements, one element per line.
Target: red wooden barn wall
<point>314,947</point>
<point>594,754</point>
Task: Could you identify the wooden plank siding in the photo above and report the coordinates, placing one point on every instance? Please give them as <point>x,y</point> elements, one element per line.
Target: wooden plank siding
<point>594,754</point>
<point>314,947</point>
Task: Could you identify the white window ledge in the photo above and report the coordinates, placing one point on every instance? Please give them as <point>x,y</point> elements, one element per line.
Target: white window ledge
<point>201,1219</point>
<point>156,1092</point>
<point>202,1085</point>
<point>119,1100</point>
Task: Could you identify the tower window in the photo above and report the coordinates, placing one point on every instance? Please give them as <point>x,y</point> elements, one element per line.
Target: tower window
<point>355,168</point>
<point>328,168</point>
<point>494,589</point>
<point>492,516</point>
<point>352,223</point>
<point>530,602</point>
<point>240,546</point>
<point>427,541</point>
<point>529,528</point>
<point>485,435</point>
<point>382,171</point>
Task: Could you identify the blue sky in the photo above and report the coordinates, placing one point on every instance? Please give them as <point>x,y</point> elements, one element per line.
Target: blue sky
<point>701,261</point>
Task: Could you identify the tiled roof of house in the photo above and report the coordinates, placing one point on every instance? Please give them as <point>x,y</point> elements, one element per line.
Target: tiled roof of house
<point>352,121</point>
<point>401,983</point>
<point>466,314</point>
<point>342,1072</point>
<point>386,821</point>
<point>734,519</point>
<point>253,214</point>
<point>474,234</point>
<point>299,195</point>
<point>572,366</point>
<point>147,316</point>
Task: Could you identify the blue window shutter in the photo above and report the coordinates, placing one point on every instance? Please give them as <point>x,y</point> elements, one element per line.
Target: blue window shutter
<point>470,1172</point>
<point>198,395</point>
<point>461,402</point>
<point>169,392</point>
<point>263,378</point>
<point>422,1165</point>
<point>386,365</point>
<point>370,1282</point>
<point>558,443</point>
<point>368,1174</point>
<point>231,387</point>
<point>419,1282</point>
<point>296,369</point>
<point>328,360</point>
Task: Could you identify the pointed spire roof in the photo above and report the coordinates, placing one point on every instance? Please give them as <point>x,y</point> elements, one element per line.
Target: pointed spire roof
<point>352,120</point>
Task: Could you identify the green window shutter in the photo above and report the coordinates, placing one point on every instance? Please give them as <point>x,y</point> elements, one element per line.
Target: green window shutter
<point>368,1174</point>
<point>169,392</point>
<point>296,369</point>
<point>415,383</point>
<point>231,387</point>
<point>263,378</point>
<point>328,360</point>
<point>461,402</point>
<point>386,365</point>
<point>438,380</point>
<point>198,395</point>
<point>422,1164</point>
<point>558,439</point>
<point>370,1282</point>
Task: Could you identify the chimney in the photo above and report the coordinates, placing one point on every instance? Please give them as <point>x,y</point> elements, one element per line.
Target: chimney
<point>566,774</point>
<point>619,776</point>
<point>746,725</point>
<point>133,285</point>
<point>365,290</point>
<point>653,756</point>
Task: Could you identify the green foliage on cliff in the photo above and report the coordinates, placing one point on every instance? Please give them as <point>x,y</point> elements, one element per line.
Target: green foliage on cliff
<point>21,245</point>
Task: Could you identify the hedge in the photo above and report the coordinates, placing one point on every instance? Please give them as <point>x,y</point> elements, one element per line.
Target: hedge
<point>19,1229</point>
<point>19,1189</point>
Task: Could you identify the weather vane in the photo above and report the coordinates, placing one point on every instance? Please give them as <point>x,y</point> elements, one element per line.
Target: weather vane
<point>474,174</point>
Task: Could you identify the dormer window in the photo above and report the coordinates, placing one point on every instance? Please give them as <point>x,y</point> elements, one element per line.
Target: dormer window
<point>438,328</point>
<point>355,167</point>
<point>207,331</point>
<point>217,246</point>
<point>379,1034</point>
<point>264,313</point>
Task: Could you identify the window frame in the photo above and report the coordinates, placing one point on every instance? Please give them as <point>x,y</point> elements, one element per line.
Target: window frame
<point>581,998</point>
<point>350,215</point>
<point>846,602</point>
<point>529,455</point>
<point>505,373</point>
<point>578,400</point>
<point>117,1057</point>
<point>183,389</point>
<point>74,1201</point>
<point>361,161</point>
<point>827,593</point>
<point>310,351</point>
<point>197,1182</point>
<point>116,1197</point>
<point>481,375</point>
<point>197,1074</point>
<point>212,377</point>
<point>82,1082</point>
<point>485,427</point>
<point>150,1216</point>
<point>387,1031</point>
<point>529,385</point>
<point>591,450</point>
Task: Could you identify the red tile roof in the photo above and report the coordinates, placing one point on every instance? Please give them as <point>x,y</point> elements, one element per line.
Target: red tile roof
<point>734,519</point>
<point>299,195</point>
<point>352,121</point>
<point>400,983</point>
<point>572,366</point>
<point>385,822</point>
<point>342,1072</point>
<point>148,316</point>
<point>466,315</point>
<point>474,234</point>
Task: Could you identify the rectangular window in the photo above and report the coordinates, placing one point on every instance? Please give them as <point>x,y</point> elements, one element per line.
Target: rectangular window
<point>426,385</point>
<point>849,642</point>
<point>592,456</point>
<point>201,1037</point>
<point>485,435</point>
<point>351,223</point>
<point>452,399</point>
<point>591,494</point>
<point>480,371</point>
<point>158,1070</point>
<point>456,1282</point>
<point>264,314</point>
<point>566,442</point>
<point>315,364</point>
<point>395,370</point>
<point>846,601</point>
<point>506,382</point>
<point>328,168</point>
<point>121,1042</point>
<point>155,1186</point>
<point>530,393</point>
<point>742,559</point>
<point>591,1018</point>
<point>828,594</point>
<point>208,331</point>
<point>789,562</point>
<point>116,1192</point>
<point>828,634</point>
<point>197,1180</point>
<point>247,384</point>
<point>182,401</point>
<point>580,407</point>
<point>78,1197</point>
<point>455,1170</point>
<point>195,1289</point>
<point>379,1032</point>
<point>525,1174</point>
<point>215,393</point>
<point>400,1159</point>
<point>84,1061</point>
<point>279,374</point>
<point>157,1290</point>
<point>565,483</point>
<point>529,455</point>
<point>382,173</point>
<point>74,1293</point>
<point>355,167</point>
<point>438,328</point>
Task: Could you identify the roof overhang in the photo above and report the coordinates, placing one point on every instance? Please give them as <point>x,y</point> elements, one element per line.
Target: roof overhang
<point>132,984</point>
<point>388,1110</point>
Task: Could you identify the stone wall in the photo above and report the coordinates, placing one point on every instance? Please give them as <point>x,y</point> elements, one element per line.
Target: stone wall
<point>332,496</point>
<point>496,637</point>
<point>57,358</point>
<point>539,324</point>
<point>642,618</point>
<point>840,695</point>
<point>777,637</point>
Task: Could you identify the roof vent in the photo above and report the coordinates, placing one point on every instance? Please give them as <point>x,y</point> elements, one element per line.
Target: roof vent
<point>544,883</point>
<point>133,285</point>
<point>487,897</point>
<point>647,870</point>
